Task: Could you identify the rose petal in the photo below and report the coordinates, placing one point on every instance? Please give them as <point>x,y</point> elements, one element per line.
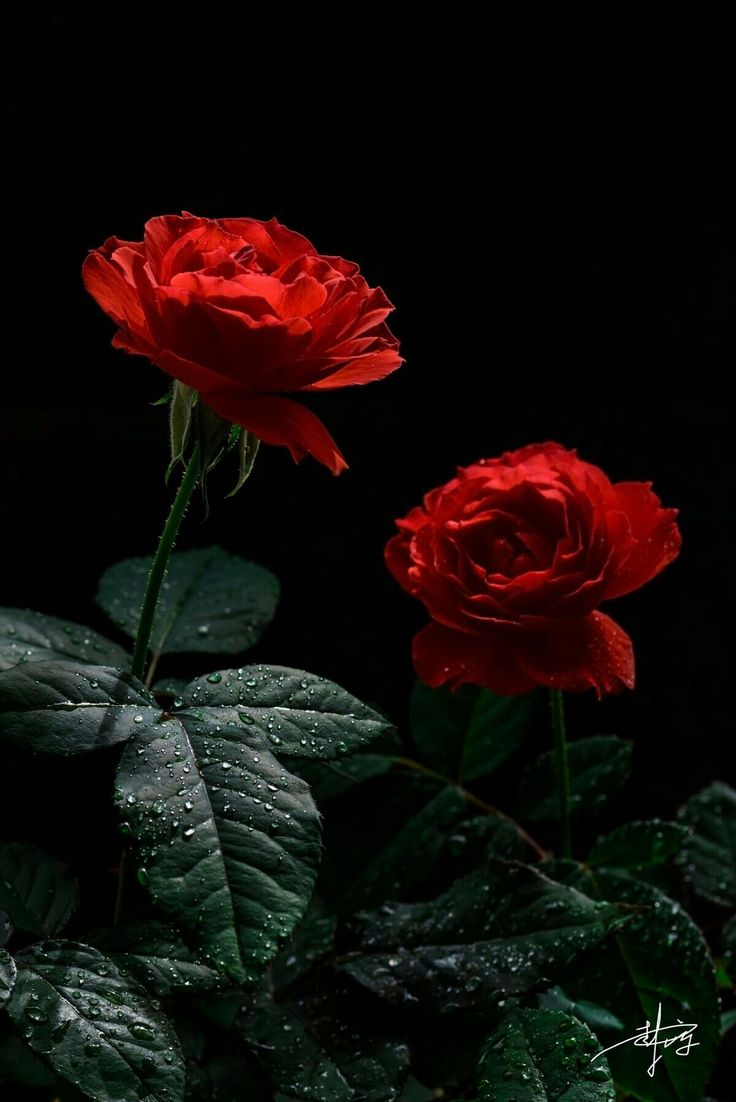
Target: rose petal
<point>655,532</point>
<point>582,654</point>
<point>446,657</point>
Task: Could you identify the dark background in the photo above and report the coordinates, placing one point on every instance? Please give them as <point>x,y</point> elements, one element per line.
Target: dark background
<point>549,206</point>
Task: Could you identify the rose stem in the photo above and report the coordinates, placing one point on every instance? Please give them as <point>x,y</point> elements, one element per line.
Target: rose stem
<point>562,768</point>
<point>496,812</point>
<point>148,609</point>
<point>161,562</point>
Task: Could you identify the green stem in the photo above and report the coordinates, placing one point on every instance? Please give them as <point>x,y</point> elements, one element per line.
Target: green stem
<point>161,562</point>
<point>562,769</point>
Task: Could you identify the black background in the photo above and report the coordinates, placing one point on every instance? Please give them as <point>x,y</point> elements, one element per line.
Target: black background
<point>550,207</point>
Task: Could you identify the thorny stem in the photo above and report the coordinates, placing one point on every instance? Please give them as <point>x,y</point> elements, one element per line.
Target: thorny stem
<point>489,809</point>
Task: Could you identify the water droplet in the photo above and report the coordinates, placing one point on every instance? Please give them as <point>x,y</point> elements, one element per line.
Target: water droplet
<point>214,678</point>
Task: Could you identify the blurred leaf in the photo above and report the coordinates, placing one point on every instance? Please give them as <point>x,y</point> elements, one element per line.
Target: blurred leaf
<point>728,941</point>
<point>594,1016</point>
<point>20,1065</point>
<point>27,636</point>
<point>598,767</point>
<point>311,940</point>
<point>63,708</point>
<point>468,733</point>
<point>638,844</point>
<point>708,860</point>
<point>94,1025</point>
<point>7,976</point>
<point>37,891</point>
<point>211,602</point>
<point>328,779</point>
<point>543,1056</point>
<point>503,928</point>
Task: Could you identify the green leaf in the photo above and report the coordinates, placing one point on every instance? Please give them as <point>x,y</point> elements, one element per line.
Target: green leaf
<point>311,940</point>
<point>543,1056</point>
<point>709,858</point>
<point>299,714</point>
<point>38,892</point>
<point>64,708</point>
<point>211,602</point>
<point>7,976</point>
<point>229,841</point>
<point>94,1025</point>
<point>468,733</point>
<point>594,1016</point>
<point>6,929</point>
<point>409,855</point>
<point>27,636</point>
<point>639,844</point>
<point>598,767</point>
<point>660,956</point>
<point>728,941</point>
<point>311,1052</point>
<point>181,413</point>
<point>157,957</point>
<point>502,928</point>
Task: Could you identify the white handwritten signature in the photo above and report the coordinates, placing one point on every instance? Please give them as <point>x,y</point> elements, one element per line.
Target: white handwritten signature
<point>660,1036</point>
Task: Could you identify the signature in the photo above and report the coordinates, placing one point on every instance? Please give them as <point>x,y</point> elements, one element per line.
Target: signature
<point>658,1037</point>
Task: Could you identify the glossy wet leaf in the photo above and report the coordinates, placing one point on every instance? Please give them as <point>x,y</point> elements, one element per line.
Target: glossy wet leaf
<point>708,861</point>
<point>157,957</point>
<point>594,1016</point>
<point>38,892</point>
<point>660,956</point>
<point>94,1025</point>
<point>598,767</point>
<point>503,928</point>
<point>468,733</point>
<point>27,636</point>
<point>228,841</point>
<point>64,708</point>
<point>211,602</point>
<point>299,714</point>
<point>639,845</point>
<point>313,1051</point>
<point>543,1056</point>
<point>7,976</point>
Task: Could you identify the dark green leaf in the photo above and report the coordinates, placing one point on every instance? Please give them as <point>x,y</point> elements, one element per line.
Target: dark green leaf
<point>594,1016</point>
<point>7,976</point>
<point>660,956</point>
<point>410,854</point>
<point>312,1052</point>
<point>181,414</point>
<point>232,1078</point>
<point>27,636</point>
<point>709,858</point>
<point>299,714</point>
<point>328,779</point>
<point>211,602</point>
<point>639,844</point>
<point>598,767</point>
<point>503,928</point>
<point>20,1065</point>
<point>467,734</point>
<point>312,939</point>
<point>543,1056</point>
<point>229,841</point>
<point>6,929</point>
<point>94,1025</point>
<point>38,892</point>
<point>157,957</point>
<point>63,708</point>
<point>728,1021</point>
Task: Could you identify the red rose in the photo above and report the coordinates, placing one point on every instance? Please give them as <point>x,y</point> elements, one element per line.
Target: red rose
<point>513,557</point>
<point>244,311</point>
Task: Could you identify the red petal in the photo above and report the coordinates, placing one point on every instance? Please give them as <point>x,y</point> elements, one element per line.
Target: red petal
<point>105,281</point>
<point>277,420</point>
<point>655,532</point>
<point>592,653</point>
<point>446,657</point>
<point>163,232</point>
<point>367,368</point>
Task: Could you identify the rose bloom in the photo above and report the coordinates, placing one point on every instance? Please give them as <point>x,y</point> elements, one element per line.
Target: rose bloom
<point>244,312</point>
<point>512,559</point>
